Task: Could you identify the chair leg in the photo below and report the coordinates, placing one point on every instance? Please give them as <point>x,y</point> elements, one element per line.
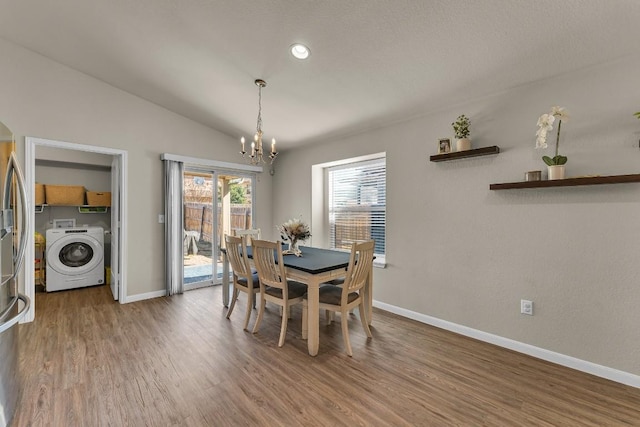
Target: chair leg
<point>345,331</point>
<point>363,319</point>
<point>247,316</point>
<point>305,320</point>
<point>283,329</point>
<point>260,313</point>
<point>233,302</point>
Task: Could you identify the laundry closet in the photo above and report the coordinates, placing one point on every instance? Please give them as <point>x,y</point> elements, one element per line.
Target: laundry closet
<point>72,219</point>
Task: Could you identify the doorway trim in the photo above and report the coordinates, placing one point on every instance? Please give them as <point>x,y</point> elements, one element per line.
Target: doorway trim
<point>30,165</point>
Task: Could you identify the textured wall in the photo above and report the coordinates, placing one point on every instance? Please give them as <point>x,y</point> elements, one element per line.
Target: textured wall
<point>462,253</point>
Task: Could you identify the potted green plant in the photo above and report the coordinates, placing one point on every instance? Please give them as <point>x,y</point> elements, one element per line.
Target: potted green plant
<point>637,114</point>
<point>461,132</point>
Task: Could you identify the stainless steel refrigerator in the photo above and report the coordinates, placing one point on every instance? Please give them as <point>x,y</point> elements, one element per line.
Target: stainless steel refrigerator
<point>14,226</point>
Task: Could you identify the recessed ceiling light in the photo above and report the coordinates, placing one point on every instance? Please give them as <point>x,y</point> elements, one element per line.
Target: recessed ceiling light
<point>300,51</point>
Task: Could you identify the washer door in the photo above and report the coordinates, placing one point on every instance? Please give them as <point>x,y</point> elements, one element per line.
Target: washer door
<point>75,254</point>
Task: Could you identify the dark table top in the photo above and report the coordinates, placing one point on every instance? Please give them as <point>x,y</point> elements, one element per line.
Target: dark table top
<point>315,260</point>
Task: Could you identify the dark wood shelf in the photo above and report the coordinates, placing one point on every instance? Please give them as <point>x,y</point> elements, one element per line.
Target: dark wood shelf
<point>484,151</point>
<point>568,182</point>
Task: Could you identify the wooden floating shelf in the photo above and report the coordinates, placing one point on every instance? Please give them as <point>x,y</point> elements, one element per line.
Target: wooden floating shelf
<point>568,182</point>
<point>484,151</point>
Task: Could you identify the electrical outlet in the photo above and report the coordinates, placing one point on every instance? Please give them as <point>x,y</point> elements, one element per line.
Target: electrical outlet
<point>526,307</point>
<point>160,219</point>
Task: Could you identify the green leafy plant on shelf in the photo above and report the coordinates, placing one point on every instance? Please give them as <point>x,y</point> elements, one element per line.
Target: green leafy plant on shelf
<point>461,127</point>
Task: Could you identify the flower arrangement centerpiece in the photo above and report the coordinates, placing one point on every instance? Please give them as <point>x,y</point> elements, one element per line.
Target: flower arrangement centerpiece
<point>545,125</point>
<point>461,132</point>
<point>294,231</point>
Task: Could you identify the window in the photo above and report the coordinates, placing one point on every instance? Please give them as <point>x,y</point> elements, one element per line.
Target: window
<point>357,204</point>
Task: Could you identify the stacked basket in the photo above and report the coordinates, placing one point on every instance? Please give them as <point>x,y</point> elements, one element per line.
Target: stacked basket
<point>70,195</point>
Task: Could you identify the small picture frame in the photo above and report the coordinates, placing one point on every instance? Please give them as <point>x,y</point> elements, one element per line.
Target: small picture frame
<point>444,145</point>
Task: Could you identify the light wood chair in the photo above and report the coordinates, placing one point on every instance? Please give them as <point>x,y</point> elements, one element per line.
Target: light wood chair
<point>344,298</point>
<point>244,280</point>
<point>274,286</point>
<point>248,235</point>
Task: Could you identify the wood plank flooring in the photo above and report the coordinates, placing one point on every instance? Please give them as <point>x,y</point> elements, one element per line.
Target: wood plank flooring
<point>176,361</point>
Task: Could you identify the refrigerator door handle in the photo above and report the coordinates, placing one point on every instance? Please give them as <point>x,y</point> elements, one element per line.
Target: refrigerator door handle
<point>15,319</point>
<point>14,167</point>
<point>7,213</point>
<point>19,258</point>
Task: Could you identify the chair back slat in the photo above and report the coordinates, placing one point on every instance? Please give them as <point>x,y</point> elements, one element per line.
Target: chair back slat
<point>265,253</point>
<point>237,255</point>
<point>360,262</point>
<point>248,235</point>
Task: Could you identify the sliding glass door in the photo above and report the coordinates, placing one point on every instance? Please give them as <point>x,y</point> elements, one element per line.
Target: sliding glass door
<point>214,204</point>
<point>199,192</point>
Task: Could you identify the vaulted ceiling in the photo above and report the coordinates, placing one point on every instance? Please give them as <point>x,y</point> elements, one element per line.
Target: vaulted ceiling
<point>373,62</point>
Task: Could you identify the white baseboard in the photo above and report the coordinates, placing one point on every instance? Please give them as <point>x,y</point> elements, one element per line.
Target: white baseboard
<point>540,353</point>
<point>141,297</point>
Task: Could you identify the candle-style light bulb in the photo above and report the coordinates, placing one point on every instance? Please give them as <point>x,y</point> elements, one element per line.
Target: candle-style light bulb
<point>273,145</point>
<point>242,142</point>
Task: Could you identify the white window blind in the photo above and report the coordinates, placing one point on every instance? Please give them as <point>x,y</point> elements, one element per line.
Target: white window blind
<point>357,199</point>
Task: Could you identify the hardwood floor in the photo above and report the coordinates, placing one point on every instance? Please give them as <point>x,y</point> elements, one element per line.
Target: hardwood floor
<point>89,361</point>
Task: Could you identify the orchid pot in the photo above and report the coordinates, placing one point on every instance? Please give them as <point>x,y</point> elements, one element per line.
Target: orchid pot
<point>555,172</point>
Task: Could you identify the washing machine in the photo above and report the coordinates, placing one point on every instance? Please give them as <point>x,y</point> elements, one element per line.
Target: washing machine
<point>75,257</point>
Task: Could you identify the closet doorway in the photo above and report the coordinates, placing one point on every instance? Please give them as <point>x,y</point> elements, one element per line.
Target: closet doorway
<point>215,203</point>
<point>118,245</point>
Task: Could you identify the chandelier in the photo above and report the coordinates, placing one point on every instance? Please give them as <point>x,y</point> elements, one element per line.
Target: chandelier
<point>256,155</point>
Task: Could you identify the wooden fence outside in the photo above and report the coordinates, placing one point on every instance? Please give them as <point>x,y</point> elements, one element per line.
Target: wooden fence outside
<point>199,217</point>
<point>350,227</point>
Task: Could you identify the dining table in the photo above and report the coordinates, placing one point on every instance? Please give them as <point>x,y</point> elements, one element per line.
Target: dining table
<point>314,267</point>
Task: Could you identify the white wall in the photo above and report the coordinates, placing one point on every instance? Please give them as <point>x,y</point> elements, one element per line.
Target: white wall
<point>44,99</point>
<point>73,156</point>
<point>462,253</point>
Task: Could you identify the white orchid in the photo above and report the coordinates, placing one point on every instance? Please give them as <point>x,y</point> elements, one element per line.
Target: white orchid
<point>560,113</point>
<point>545,124</point>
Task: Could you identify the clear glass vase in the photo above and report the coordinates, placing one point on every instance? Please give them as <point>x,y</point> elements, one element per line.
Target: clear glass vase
<point>294,248</point>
